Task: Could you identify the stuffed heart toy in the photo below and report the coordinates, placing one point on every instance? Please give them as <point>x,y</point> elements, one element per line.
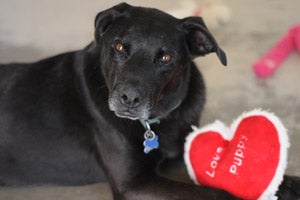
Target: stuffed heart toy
<point>247,159</point>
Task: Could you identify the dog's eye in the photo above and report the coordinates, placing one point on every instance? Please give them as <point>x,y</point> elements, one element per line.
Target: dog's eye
<point>119,47</point>
<point>166,58</point>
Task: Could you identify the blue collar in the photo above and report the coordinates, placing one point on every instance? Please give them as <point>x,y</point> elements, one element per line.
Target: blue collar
<point>154,120</point>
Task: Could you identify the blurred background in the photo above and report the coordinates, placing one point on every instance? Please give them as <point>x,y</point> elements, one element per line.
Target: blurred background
<point>34,29</point>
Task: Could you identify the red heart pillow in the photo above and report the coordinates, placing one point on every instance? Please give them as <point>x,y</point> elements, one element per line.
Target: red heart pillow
<point>248,159</point>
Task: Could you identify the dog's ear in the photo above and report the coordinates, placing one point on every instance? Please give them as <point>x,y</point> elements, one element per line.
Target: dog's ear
<point>199,39</point>
<point>105,19</point>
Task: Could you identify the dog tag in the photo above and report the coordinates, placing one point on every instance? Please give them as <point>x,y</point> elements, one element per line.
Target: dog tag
<point>151,141</point>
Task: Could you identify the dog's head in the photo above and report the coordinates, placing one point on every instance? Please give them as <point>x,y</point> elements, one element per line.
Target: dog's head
<point>145,56</point>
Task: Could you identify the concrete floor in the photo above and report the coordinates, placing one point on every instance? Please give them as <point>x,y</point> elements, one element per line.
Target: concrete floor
<point>32,29</point>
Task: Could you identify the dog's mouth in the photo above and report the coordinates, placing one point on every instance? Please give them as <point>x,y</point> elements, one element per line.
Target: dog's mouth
<point>126,114</point>
<point>141,112</point>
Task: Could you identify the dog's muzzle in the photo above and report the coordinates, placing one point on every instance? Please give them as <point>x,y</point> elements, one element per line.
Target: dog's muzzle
<point>129,102</point>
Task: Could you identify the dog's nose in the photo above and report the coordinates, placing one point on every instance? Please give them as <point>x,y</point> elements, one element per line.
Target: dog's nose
<point>130,98</point>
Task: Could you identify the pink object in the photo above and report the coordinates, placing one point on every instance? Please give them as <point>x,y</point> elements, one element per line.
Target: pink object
<point>197,12</point>
<point>266,65</point>
<point>247,159</point>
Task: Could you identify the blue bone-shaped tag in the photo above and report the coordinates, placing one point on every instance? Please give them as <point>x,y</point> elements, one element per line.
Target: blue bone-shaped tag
<point>151,144</point>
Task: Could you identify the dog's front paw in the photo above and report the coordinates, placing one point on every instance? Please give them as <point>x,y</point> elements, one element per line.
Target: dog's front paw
<point>289,188</point>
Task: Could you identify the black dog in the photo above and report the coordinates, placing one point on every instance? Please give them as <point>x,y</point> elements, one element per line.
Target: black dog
<point>80,117</point>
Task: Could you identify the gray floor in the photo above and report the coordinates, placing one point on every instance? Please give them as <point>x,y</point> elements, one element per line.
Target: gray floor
<point>31,30</point>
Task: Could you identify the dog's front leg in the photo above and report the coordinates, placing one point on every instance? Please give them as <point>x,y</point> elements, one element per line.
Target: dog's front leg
<point>132,174</point>
<point>289,188</point>
<point>158,188</point>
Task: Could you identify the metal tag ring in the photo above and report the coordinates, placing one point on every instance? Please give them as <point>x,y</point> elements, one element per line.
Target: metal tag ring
<point>149,135</point>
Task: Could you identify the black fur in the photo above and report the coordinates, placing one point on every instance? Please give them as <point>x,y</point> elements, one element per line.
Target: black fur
<point>72,119</point>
